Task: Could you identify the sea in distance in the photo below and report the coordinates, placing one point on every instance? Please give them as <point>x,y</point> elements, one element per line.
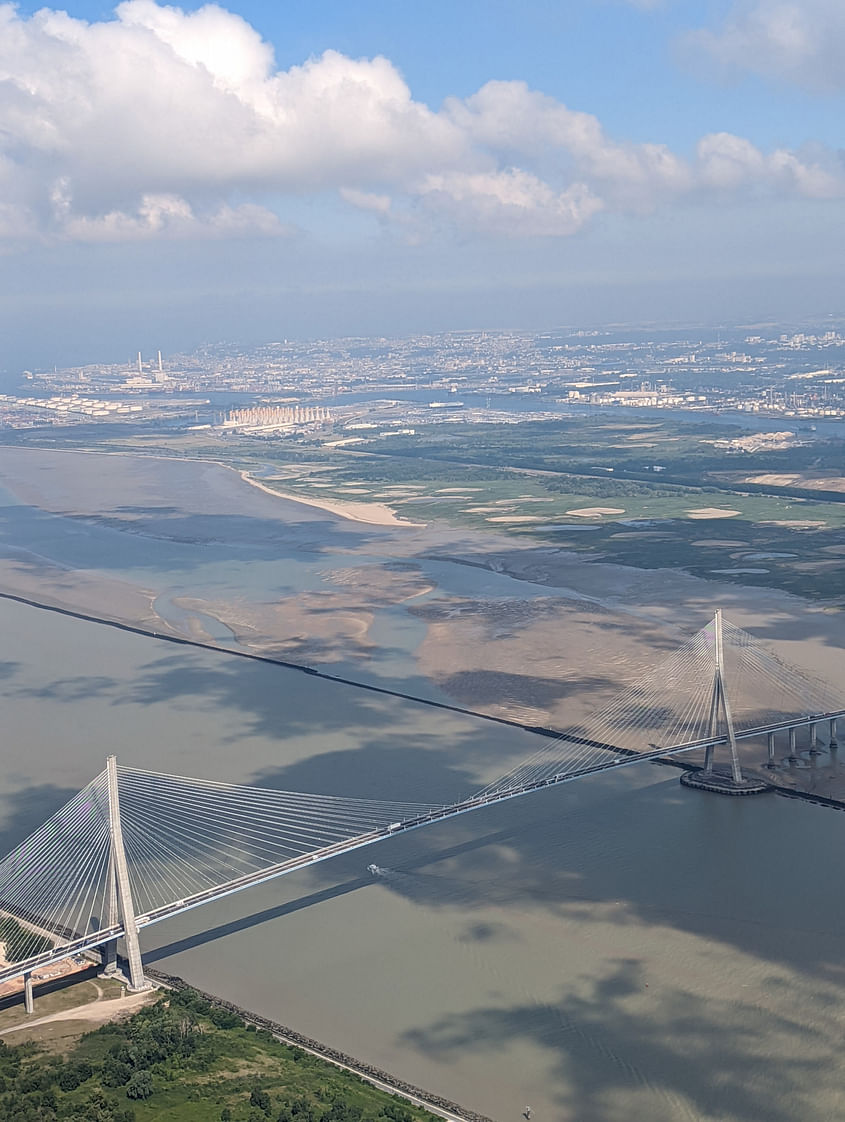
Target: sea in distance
<point>618,949</point>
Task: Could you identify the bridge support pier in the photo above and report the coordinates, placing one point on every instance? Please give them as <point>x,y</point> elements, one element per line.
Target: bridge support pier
<point>833,743</point>
<point>109,961</point>
<point>28,999</point>
<point>770,751</point>
<point>793,756</point>
<point>814,739</point>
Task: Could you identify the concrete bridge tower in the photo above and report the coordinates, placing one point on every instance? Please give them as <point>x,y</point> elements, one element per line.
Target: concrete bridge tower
<point>120,907</point>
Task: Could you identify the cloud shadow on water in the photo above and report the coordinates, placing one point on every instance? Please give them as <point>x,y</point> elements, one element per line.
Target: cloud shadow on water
<point>618,1048</point>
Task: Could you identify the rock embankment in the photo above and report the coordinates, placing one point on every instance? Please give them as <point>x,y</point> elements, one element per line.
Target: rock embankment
<point>426,1098</point>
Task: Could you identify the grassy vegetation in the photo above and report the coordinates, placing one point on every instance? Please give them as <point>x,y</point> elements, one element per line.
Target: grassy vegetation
<point>540,479</point>
<point>687,452</point>
<point>808,562</point>
<point>70,996</point>
<point>791,543</point>
<point>184,1060</point>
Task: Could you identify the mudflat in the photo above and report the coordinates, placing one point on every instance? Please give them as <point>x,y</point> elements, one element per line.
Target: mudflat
<point>515,629</point>
<point>598,950</point>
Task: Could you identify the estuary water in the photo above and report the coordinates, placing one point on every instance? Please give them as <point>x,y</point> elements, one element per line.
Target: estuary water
<point>616,949</point>
<point>619,949</point>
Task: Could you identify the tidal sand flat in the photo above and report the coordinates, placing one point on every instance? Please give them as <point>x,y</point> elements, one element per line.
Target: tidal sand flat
<point>615,949</point>
<point>596,511</point>
<point>188,548</point>
<point>372,513</point>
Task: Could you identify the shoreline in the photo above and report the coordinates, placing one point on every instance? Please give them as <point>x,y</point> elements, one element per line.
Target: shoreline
<point>417,1096</point>
<point>370,513</point>
<point>576,642</point>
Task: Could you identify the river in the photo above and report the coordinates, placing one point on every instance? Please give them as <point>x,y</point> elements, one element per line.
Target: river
<point>618,949</point>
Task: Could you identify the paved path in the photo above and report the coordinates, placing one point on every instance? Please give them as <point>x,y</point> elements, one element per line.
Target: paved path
<point>95,1012</point>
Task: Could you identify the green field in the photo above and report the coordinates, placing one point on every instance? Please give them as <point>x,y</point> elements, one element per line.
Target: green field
<point>792,543</point>
<point>541,480</point>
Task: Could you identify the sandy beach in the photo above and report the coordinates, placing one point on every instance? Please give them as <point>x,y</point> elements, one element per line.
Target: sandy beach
<point>619,924</point>
<point>373,514</point>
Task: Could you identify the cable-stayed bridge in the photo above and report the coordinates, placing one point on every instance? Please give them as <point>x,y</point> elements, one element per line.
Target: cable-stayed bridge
<point>135,847</point>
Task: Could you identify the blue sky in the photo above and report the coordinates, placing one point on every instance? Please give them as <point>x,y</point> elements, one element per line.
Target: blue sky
<point>625,63</point>
<point>172,174</point>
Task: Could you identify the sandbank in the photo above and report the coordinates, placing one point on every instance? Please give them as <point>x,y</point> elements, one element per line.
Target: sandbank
<point>492,643</point>
<point>516,518</point>
<point>712,512</point>
<point>36,578</point>
<point>740,571</point>
<point>375,514</point>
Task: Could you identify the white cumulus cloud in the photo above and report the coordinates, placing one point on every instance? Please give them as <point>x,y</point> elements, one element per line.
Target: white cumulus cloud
<point>511,202</point>
<point>366,200</point>
<point>728,163</point>
<point>511,118</point>
<point>161,123</point>
<point>798,40</point>
<point>173,217</point>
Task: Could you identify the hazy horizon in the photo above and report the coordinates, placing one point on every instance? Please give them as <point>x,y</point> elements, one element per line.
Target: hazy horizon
<point>178,174</point>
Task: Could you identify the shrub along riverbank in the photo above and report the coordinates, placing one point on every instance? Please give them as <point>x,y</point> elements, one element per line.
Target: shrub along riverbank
<point>185,1059</point>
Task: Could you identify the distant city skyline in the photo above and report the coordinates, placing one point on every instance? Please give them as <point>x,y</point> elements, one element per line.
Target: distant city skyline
<point>174,174</point>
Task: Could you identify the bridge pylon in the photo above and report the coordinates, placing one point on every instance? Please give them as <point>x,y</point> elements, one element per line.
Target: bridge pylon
<point>721,729</point>
<point>720,706</point>
<point>120,905</point>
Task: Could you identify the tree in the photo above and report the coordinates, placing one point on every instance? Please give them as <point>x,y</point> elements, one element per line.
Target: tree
<point>140,1086</point>
<point>223,1019</point>
<point>397,1113</point>
<point>302,1110</point>
<point>72,1075</point>
<point>115,1073</point>
<point>260,1099</point>
<point>340,1112</point>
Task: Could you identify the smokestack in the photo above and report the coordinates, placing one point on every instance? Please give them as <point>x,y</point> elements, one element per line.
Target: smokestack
<point>160,368</point>
<point>140,370</point>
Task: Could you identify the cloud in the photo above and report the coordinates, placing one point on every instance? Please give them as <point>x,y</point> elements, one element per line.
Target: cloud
<point>513,202</point>
<point>801,41</point>
<point>510,118</point>
<point>366,200</point>
<point>173,217</point>
<point>163,124</point>
<point>728,163</point>
<point>159,101</point>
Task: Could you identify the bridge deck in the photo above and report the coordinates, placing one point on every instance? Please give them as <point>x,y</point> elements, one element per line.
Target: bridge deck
<point>621,757</point>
